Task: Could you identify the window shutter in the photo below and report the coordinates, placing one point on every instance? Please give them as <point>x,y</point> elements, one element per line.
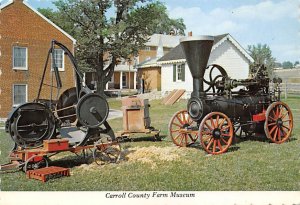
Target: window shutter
<point>174,72</point>
<point>183,72</point>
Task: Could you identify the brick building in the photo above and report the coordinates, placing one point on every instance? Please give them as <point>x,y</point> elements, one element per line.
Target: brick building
<point>25,36</point>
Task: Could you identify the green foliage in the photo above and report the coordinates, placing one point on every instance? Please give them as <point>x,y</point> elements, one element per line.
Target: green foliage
<point>278,65</point>
<point>107,30</point>
<point>262,54</point>
<point>287,64</point>
<point>296,63</point>
<point>166,25</point>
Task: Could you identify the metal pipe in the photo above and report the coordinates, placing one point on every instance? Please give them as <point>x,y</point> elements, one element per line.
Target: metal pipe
<point>197,50</point>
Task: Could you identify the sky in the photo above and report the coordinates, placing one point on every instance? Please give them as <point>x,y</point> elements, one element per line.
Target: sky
<point>272,22</point>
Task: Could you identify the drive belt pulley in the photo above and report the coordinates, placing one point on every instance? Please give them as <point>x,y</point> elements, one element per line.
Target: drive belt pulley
<point>92,110</point>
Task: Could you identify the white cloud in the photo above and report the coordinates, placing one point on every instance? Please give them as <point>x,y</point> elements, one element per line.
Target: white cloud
<point>224,20</point>
<point>286,52</point>
<point>267,10</point>
<point>272,22</point>
<point>205,23</point>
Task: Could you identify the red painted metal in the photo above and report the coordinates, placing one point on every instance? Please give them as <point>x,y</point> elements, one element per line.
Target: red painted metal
<point>19,156</point>
<point>259,117</point>
<point>47,173</point>
<point>56,144</point>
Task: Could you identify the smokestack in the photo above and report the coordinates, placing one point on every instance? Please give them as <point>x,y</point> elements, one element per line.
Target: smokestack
<point>197,50</point>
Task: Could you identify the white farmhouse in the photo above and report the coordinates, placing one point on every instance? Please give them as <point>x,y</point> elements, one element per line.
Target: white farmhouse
<point>226,52</point>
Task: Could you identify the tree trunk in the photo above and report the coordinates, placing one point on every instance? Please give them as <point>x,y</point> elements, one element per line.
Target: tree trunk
<point>100,82</point>
<point>104,75</point>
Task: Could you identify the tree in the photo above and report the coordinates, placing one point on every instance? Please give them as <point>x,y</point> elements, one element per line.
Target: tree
<point>57,17</point>
<point>103,37</point>
<point>296,63</point>
<point>277,65</point>
<point>262,54</point>
<point>287,64</point>
<point>165,25</point>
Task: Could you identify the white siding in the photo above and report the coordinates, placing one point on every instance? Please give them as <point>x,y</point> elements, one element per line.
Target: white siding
<point>225,55</point>
<point>231,59</point>
<point>167,83</point>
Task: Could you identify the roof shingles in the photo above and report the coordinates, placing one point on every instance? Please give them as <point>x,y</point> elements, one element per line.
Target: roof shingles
<point>177,52</point>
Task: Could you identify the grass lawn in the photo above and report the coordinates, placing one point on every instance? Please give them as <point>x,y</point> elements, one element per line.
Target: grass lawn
<point>160,165</point>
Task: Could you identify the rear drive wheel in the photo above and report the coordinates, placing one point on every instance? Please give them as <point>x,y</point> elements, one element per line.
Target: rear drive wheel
<point>279,122</point>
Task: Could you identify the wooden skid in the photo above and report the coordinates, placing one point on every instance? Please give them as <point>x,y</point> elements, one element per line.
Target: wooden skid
<point>127,133</point>
<point>168,96</point>
<point>47,173</point>
<point>175,97</point>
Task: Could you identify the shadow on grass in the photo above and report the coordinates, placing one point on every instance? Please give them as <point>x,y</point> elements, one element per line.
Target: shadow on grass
<point>198,146</point>
<point>77,160</point>
<point>258,138</point>
<point>142,138</point>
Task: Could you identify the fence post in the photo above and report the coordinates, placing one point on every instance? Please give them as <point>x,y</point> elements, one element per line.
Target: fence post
<point>285,91</point>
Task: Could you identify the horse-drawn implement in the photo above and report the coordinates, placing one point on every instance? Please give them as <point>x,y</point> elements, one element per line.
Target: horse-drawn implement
<point>74,121</point>
<point>216,110</point>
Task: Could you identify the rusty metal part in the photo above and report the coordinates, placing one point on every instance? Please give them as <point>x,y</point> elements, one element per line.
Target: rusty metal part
<point>106,154</point>
<point>66,105</point>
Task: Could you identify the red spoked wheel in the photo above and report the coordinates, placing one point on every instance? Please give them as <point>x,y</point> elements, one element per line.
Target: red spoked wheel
<point>279,122</point>
<point>216,133</point>
<point>182,129</point>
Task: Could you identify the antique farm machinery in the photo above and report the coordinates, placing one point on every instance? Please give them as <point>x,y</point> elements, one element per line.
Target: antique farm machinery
<point>221,107</point>
<point>73,121</point>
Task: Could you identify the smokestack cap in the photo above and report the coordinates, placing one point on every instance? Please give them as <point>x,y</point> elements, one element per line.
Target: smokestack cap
<point>197,38</point>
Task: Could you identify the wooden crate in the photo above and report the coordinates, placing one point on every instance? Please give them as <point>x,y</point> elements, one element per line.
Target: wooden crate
<point>44,174</point>
<point>56,145</point>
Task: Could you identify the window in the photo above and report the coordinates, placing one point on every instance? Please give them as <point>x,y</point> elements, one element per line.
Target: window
<point>59,59</point>
<point>20,58</point>
<point>147,48</point>
<point>178,72</point>
<point>19,94</point>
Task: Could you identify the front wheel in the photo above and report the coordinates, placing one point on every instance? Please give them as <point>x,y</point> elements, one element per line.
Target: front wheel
<point>216,133</point>
<point>182,129</point>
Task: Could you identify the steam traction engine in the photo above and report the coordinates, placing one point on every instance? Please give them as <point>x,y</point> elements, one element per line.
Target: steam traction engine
<point>221,107</point>
<point>74,120</point>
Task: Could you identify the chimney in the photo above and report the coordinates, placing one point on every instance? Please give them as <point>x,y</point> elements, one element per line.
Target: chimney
<point>190,33</point>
